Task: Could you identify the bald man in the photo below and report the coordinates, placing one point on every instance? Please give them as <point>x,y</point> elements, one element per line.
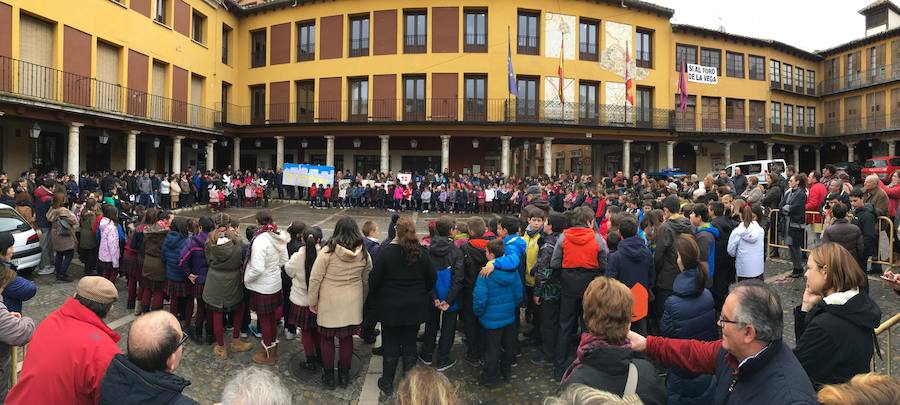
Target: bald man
<point>145,375</point>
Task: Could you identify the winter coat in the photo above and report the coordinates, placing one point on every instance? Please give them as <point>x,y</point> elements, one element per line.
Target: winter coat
<point>268,253</point>
<point>443,254</point>
<point>338,284</point>
<point>296,270</point>
<point>473,260</point>
<point>126,383</point>
<point>606,368</point>
<point>664,258</point>
<point>866,220</point>
<point>879,200</point>
<point>72,348</point>
<point>108,251</point>
<point>144,185</point>
<point>632,263</point>
<point>582,255</point>
<point>546,278</point>
<point>88,239</point>
<point>400,293</point>
<point>171,253</point>
<point>224,288</point>
<point>62,243</point>
<point>794,207</point>
<point>496,298</point>
<point>893,194</point>
<point>13,332</point>
<point>848,235</point>
<point>772,198</point>
<point>689,314</point>
<point>747,245</point>
<point>372,246</point>
<point>192,257</point>
<point>154,268</point>
<point>835,339</point>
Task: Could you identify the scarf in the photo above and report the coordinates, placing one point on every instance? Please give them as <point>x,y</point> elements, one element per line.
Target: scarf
<point>588,343</point>
<point>261,230</point>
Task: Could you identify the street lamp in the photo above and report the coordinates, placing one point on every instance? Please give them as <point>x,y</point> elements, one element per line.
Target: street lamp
<point>35,131</point>
<point>413,143</point>
<point>304,143</point>
<point>225,143</point>
<point>156,143</point>
<point>526,144</point>
<point>104,137</point>
<point>648,147</point>
<point>475,143</point>
<point>194,145</point>
<point>357,143</point>
<point>257,143</point>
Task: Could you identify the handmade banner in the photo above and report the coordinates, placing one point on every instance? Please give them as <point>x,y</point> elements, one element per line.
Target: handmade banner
<point>296,174</point>
<point>702,74</point>
<point>404,178</point>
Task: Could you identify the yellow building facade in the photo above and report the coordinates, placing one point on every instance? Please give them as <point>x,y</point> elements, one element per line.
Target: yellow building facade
<point>409,85</point>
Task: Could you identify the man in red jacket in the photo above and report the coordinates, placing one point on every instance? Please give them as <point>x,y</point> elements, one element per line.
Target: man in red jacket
<point>815,199</point>
<point>70,350</point>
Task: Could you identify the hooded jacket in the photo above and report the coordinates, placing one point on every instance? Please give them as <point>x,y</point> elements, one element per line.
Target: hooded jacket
<point>606,368</point>
<point>338,284</point>
<point>263,271</point>
<point>546,278</point>
<point>582,255</point>
<point>399,292</point>
<point>193,256</point>
<point>295,268</point>
<point>842,232</point>
<point>496,297</point>
<point>154,268</point>
<point>224,288</point>
<point>664,258</point>
<point>747,245</point>
<point>706,236</point>
<point>172,246</point>
<point>126,383</point>
<point>444,255</point>
<point>632,263</point>
<point>835,339</point>
<point>473,260</point>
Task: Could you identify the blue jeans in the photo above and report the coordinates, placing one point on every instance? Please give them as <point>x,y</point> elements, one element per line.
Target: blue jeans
<point>63,259</point>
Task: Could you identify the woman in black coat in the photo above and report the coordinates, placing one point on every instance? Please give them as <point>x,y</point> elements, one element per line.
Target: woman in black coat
<point>834,325</point>
<point>399,298</point>
<point>793,219</point>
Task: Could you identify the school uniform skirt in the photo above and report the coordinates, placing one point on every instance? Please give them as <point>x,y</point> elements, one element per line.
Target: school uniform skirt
<point>265,303</point>
<point>178,289</point>
<point>302,317</point>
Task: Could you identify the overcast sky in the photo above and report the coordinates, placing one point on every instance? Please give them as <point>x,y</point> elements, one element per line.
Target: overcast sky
<point>807,24</point>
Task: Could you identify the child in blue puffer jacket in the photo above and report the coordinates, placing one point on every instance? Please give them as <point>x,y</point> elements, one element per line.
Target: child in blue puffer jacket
<point>495,300</point>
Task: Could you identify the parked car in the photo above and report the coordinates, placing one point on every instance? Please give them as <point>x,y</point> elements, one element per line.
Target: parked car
<point>852,169</point>
<point>883,167</point>
<point>758,168</point>
<point>27,247</point>
<point>668,173</point>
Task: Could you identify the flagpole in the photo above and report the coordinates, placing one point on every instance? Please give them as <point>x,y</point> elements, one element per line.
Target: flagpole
<point>625,103</point>
<point>508,92</point>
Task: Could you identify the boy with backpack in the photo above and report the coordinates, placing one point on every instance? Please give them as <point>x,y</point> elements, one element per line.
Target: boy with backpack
<point>632,263</point>
<point>447,261</point>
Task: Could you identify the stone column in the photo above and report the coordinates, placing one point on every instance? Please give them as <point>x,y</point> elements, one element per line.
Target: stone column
<point>727,151</point>
<point>72,164</point>
<point>329,150</point>
<point>445,153</point>
<point>176,154</point>
<point>769,146</point>
<point>670,154</point>
<point>532,169</point>
<point>236,159</point>
<point>796,158</point>
<point>891,146</point>
<point>504,154</point>
<point>548,156</point>
<point>210,154</point>
<point>279,152</point>
<point>385,153</point>
<point>626,158</point>
<point>851,148</point>
<point>131,150</point>
<point>818,157</point>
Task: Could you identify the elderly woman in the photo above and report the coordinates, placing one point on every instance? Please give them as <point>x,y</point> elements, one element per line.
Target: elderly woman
<point>753,193</point>
<point>604,355</point>
<point>793,220</point>
<point>174,192</point>
<point>834,323</point>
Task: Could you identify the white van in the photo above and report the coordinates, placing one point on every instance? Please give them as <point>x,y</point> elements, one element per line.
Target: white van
<point>758,168</point>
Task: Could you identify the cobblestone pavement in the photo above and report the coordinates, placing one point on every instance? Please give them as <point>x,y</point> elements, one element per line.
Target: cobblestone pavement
<point>530,383</point>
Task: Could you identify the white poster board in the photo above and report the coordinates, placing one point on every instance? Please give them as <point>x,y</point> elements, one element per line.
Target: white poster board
<point>404,178</point>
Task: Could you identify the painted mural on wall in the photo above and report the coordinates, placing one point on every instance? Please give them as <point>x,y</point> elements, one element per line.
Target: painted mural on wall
<point>618,39</point>
<point>559,28</point>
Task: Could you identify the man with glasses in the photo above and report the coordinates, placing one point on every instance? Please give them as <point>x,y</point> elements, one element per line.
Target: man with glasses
<point>70,349</point>
<point>145,375</point>
<point>750,362</point>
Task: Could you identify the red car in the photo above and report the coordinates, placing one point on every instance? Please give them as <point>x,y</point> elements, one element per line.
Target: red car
<point>884,167</point>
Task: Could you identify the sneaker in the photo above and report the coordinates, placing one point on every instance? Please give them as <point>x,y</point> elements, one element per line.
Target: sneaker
<point>288,335</point>
<point>425,358</point>
<point>45,271</point>
<point>539,360</point>
<point>473,361</point>
<point>243,335</point>
<point>445,364</point>
<point>255,332</point>
<point>64,278</point>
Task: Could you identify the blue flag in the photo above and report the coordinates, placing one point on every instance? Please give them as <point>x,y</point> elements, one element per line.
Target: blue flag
<point>513,89</point>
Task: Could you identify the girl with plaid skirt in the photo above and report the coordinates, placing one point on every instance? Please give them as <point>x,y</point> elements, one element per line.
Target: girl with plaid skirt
<point>131,260</point>
<point>193,261</point>
<point>224,291</point>
<point>262,276</point>
<point>181,296</point>
<point>153,268</point>
<point>298,268</point>
<point>337,288</point>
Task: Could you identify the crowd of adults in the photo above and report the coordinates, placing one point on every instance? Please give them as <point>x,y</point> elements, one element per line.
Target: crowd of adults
<point>616,281</point>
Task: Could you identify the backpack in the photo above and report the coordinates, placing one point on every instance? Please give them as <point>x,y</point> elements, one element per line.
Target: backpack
<point>64,228</point>
<point>442,286</point>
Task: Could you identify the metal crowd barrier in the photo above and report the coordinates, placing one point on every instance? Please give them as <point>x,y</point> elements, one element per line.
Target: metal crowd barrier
<point>889,353</point>
<point>884,245</point>
<point>14,365</point>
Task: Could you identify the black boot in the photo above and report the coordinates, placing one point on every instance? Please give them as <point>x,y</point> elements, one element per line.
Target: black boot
<point>195,334</point>
<point>328,378</point>
<point>312,363</point>
<point>210,335</point>
<point>343,377</point>
<point>386,382</point>
<point>409,362</point>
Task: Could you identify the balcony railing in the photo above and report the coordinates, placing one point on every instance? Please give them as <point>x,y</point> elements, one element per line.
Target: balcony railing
<point>414,43</point>
<point>452,110</point>
<point>36,82</point>
<point>872,123</point>
<point>860,79</point>
<point>688,122</point>
<point>359,47</point>
<point>792,88</point>
<point>475,42</point>
<point>528,45</point>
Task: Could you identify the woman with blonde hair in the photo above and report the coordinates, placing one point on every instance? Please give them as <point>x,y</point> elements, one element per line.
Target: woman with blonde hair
<point>863,389</point>
<point>174,191</point>
<point>424,385</point>
<point>580,394</point>
<point>834,325</point>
